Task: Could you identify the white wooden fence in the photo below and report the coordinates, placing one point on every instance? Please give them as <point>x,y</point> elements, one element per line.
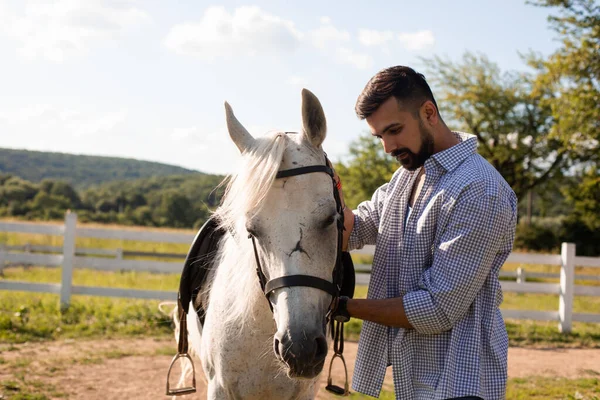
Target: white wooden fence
<point>112,260</point>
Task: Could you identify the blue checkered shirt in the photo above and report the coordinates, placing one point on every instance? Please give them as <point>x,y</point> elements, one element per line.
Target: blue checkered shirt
<point>444,263</point>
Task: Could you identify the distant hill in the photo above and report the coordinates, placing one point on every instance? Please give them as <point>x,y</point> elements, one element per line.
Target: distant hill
<point>81,171</point>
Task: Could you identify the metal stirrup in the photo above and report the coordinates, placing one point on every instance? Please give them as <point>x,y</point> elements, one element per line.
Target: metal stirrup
<point>334,388</point>
<point>338,349</point>
<point>183,390</point>
<point>182,352</point>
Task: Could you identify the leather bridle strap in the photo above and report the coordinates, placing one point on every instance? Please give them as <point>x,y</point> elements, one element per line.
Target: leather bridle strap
<point>300,280</point>
<point>286,173</point>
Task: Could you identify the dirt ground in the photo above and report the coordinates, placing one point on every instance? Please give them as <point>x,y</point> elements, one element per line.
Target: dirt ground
<point>136,369</point>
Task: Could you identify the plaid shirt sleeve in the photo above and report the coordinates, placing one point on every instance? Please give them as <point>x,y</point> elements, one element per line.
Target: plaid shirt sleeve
<point>366,220</point>
<point>461,263</point>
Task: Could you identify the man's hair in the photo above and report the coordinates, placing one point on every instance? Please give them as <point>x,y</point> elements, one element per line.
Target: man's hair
<point>408,86</point>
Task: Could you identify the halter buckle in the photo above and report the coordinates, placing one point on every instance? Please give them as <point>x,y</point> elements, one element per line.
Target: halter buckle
<point>335,389</point>
<point>183,390</point>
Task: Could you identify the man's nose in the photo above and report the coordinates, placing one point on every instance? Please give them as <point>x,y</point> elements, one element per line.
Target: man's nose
<point>388,145</point>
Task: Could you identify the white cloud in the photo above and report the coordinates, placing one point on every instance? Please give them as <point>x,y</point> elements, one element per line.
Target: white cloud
<point>369,37</point>
<point>327,34</point>
<point>55,30</point>
<point>47,121</point>
<point>249,30</point>
<point>348,56</point>
<point>297,81</point>
<point>334,42</point>
<point>411,41</point>
<point>417,40</point>
<point>325,20</point>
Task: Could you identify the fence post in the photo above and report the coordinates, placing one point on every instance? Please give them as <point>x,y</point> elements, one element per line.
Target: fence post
<point>521,275</point>
<point>68,259</point>
<point>119,254</point>
<point>567,286</point>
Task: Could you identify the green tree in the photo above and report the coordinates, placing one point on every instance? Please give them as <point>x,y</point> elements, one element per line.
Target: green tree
<point>505,112</point>
<point>175,210</point>
<point>63,189</point>
<point>585,198</point>
<point>569,80</point>
<point>570,83</point>
<point>16,189</point>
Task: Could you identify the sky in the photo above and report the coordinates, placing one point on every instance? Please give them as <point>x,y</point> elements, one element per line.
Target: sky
<point>148,79</point>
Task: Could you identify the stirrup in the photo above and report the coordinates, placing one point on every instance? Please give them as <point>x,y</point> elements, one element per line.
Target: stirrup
<point>337,390</point>
<point>183,390</point>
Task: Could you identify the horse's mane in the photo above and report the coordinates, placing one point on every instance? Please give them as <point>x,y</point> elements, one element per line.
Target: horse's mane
<point>247,189</point>
<point>244,194</point>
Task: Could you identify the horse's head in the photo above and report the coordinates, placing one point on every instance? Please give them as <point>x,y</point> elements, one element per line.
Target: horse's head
<point>294,223</point>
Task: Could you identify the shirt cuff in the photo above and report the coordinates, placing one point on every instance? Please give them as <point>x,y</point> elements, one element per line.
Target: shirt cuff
<point>354,241</point>
<point>423,314</point>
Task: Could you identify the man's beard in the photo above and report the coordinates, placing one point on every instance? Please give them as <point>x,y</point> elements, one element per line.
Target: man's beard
<point>412,161</point>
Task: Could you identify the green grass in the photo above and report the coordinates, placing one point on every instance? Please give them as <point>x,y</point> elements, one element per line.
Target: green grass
<point>21,388</point>
<point>533,388</point>
<point>37,317</point>
<point>553,388</point>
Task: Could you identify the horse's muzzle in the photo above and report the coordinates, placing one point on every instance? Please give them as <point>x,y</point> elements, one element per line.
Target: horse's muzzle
<point>303,355</point>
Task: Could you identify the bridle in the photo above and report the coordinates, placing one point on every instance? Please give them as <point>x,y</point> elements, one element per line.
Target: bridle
<point>333,288</point>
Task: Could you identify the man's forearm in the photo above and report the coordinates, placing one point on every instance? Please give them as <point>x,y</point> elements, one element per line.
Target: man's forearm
<point>388,312</point>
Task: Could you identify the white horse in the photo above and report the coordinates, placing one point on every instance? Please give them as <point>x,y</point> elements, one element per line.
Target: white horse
<point>246,350</point>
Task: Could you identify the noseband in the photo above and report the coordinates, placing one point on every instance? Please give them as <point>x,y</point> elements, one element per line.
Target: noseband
<point>332,287</point>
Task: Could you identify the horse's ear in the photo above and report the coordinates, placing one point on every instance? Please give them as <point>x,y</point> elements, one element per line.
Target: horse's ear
<point>313,118</point>
<point>240,136</point>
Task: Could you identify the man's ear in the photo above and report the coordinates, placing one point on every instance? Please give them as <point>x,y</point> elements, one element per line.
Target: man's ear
<point>429,113</point>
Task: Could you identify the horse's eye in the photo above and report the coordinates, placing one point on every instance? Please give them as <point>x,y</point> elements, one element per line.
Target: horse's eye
<point>328,221</point>
<point>252,229</point>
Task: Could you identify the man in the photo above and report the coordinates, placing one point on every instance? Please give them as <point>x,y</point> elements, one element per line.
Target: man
<point>442,226</point>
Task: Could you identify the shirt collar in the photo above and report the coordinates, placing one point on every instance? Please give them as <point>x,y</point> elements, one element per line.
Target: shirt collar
<point>451,158</point>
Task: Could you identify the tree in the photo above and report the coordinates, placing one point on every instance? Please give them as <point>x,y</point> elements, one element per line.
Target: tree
<point>63,189</point>
<point>507,115</point>
<point>367,168</point>
<point>175,210</point>
<point>585,198</point>
<point>569,79</point>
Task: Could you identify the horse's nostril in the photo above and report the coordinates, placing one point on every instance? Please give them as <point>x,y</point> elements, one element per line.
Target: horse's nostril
<point>276,347</point>
<point>321,351</point>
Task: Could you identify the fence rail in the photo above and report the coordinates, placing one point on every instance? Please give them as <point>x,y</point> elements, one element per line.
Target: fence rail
<point>69,257</point>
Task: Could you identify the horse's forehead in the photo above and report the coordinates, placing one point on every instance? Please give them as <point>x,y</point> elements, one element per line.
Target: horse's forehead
<point>298,152</point>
